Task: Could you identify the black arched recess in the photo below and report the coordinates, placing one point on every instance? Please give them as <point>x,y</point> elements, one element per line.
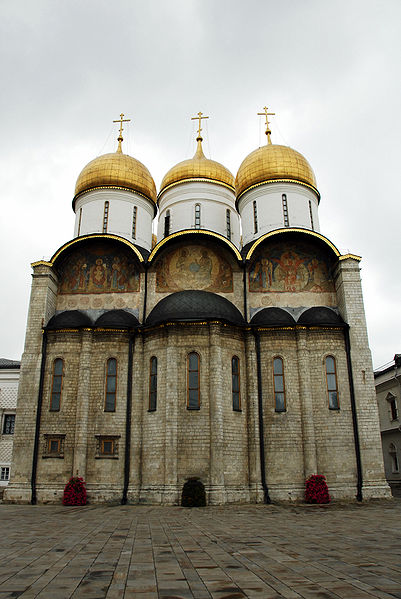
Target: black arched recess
<point>70,319</point>
<point>117,319</point>
<point>185,306</point>
<point>273,317</point>
<point>320,316</point>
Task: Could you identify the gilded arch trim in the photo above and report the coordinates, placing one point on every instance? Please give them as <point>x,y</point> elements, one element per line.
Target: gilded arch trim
<point>292,230</point>
<point>194,232</point>
<point>78,240</point>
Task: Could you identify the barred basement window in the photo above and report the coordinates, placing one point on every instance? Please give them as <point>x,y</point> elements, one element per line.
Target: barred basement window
<point>311,215</point>
<point>53,446</point>
<point>279,385</point>
<point>394,458</point>
<point>57,385</point>
<point>153,384</point>
<point>167,224</point>
<point>79,222</point>
<point>8,424</point>
<point>107,446</point>
<point>193,390</point>
<point>111,385</point>
<point>228,223</point>
<point>235,377</point>
<point>105,216</point>
<point>332,387</point>
<point>4,473</point>
<point>255,216</point>
<point>285,210</point>
<point>197,216</point>
<point>134,222</point>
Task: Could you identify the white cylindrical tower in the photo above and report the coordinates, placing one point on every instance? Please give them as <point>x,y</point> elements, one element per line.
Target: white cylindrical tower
<point>198,194</point>
<point>116,194</point>
<point>276,188</point>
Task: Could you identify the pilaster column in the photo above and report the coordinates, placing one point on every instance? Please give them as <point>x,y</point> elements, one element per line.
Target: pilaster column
<point>139,406</point>
<point>82,410</point>
<point>305,387</point>
<point>171,491</point>
<point>217,489</point>
<point>255,477</point>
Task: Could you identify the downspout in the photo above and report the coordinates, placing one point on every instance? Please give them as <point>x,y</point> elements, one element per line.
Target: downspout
<point>354,416</point>
<point>261,423</point>
<point>38,417</point>
<point>127,458</point>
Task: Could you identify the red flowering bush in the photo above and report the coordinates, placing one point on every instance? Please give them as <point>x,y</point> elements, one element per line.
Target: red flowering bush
<point>316,490</point>
<point>75,492</point>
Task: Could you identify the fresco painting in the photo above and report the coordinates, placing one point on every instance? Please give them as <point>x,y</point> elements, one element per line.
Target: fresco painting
<point>193,267</point>
<point>98,270</point>
<point>285,268</point>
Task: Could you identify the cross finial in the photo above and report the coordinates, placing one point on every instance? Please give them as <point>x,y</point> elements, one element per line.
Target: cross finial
<point>266,114</point>
<point>199,118</point>
<point>121,120</point>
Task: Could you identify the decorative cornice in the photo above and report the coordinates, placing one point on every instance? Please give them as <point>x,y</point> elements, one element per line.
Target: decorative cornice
<point>350,256</point>
<point>192,232</point>
<point>41,263</point>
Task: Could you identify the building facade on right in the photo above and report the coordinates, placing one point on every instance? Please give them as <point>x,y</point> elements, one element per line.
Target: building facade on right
<point>388,393</point>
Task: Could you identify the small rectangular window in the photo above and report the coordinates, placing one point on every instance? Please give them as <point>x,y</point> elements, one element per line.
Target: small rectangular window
<point>235,381</point>
<point>9,424</point>
<point>228,223</point>
<point>134,222</point>
<point>255,216</point>
<point>331,379</point>
<point>107,446</point>
<point>279,385</point>
<point>4,473</point>
<point>285,210</point>
<point>311,216</point>
<point>53,446</point>
<point>197,216</point>
<point>111,385</point>
<point>105,216</point>
<point>153,384</point>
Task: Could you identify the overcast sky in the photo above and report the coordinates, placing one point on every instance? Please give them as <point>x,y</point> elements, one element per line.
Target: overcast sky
<point>329,69</point>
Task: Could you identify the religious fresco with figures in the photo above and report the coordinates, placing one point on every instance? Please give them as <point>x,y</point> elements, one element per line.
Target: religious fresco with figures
<point>98,268</point>
<point>193,267</point>
<point>294,268</point>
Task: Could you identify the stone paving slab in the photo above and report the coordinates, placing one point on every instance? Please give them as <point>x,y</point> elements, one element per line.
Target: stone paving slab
<point>347,551</point>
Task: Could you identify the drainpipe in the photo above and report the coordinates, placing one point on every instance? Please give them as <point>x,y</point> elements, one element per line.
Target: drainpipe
<point>127,458</point>
<point>261,424</point>
<point>354,416</point>
<point>38,417</point>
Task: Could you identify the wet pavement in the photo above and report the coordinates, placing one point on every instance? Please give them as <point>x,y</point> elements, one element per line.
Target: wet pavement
<point>345,550</point>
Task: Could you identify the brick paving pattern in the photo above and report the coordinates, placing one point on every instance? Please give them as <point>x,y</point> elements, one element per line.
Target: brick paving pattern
<point>349,551</point>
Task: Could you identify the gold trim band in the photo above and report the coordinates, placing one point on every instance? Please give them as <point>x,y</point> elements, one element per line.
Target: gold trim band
<point>292,230</point>
<point>96,236</point>
<point>194,180</point>
<point>194,231</point>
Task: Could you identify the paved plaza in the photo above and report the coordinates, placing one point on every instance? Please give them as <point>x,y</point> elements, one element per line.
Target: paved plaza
<point>350,551</point>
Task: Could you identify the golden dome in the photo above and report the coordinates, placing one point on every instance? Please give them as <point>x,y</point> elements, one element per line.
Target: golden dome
<point>116,170</point>
<point>198,167</point>
<point>273,163</point>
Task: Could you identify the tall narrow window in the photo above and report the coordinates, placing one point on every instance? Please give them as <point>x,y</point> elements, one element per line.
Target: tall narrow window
<point>134,222</point>
<point>394,458</point>
<point>332,387</point>
<point>235,384</point>
<point>228,223</point>
<point>255,217</point>
<point>9,424</point>
<point>167,224</point>
<point>279,385</point>
<point>285,210</point>
<point>311,215</point>
<point>392,404</point>
<point>193,395</point>
<point>111,385</point>
<point>153,384</point>
<point>197,216</point>
<point>57,385</point>
<point>79,222</point>
<point>105,216</point>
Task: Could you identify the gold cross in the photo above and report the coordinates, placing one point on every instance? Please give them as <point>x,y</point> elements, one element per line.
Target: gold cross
<point>199,118</point>
<point>266,114</point>
<point>121,120</point>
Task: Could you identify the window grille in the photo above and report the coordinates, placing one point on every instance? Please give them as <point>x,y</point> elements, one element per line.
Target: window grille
<point>331,379</point>
<point>57,385</point>
<point>111,385</point>
<point>279,385</point>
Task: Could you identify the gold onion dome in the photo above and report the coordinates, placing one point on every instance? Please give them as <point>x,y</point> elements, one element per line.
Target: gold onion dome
<point>116,170</point>
<point>272,163</point>
<point>198,168</point>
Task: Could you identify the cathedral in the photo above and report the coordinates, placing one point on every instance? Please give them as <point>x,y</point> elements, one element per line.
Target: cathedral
<point>231,348</point>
